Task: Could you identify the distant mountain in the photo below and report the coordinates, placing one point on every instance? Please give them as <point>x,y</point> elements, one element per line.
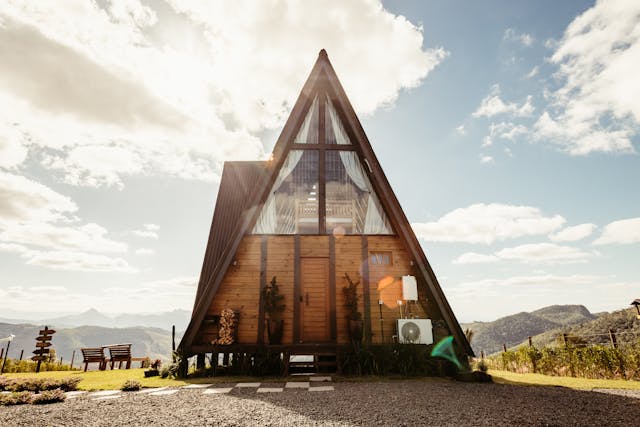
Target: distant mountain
<point>623,322</point>
<point>92,317</point>
<point>512,330</point>
<point>152,342</point>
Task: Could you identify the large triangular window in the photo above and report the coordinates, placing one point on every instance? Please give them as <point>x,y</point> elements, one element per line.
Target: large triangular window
<point>322,190</point>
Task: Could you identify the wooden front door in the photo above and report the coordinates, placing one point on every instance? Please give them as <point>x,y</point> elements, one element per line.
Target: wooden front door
<point>314,299</point>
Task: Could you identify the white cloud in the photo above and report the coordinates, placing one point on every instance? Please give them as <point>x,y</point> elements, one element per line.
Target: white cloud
<point>39,224</point>
<point>533,253</point>
<point>177,90</point>
<point>148,230</point>
<point>574,233</point>
<point>544,253</point>
<point>79,261</point>
<point>460,130</point>
<point>512,35</point>
<point>488,223</point>
<point>596,109</point>
<point>493,105</point>
<point>504,130</point>
<point>624,231</point>
<point>145,251</point>
<point>475,258</point>
<point>486,159</point>
<point>534,72</point>
<point>88,237</point>
<point>24,200</point>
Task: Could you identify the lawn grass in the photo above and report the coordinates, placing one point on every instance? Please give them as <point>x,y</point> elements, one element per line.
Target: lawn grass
<point>505,377</point>
<point>113,379</point>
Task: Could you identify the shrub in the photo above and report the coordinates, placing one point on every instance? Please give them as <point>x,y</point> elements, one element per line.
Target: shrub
<point>19,398</point>
<point>131,385</point>
<point>49,396</point>
<point>482,366</point>
<point>39,384</point>
<point>170,371</point>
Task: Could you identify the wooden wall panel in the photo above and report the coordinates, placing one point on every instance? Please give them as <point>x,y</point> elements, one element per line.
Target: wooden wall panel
<point>386,285</point>
<point>314,246</point>
<point>280,259</point>
<point>240,290</point>
<point>348,260</point>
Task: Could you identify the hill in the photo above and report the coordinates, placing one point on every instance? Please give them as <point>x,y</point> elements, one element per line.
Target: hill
<point>623,322</point>
<point>92,317</point>
<point>512,330</point>
<point>152,342</point>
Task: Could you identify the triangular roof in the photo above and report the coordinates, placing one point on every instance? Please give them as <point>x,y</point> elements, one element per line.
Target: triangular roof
<point>245,185</point>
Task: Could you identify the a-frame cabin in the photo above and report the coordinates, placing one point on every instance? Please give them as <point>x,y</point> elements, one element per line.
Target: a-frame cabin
<point>319,209</point>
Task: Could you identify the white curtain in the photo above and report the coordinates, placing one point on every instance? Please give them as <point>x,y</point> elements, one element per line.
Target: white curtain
<point>268,220</point>
<point>374,223</point>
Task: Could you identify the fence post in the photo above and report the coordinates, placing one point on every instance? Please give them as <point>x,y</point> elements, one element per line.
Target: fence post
<point>1,352</point>
<point>564,339</point>
<point>481,354</point>
<point>530,342</point>
<point>21,353</point>
<point>612,338</point>
<point>73,356</point>
<point>504,348</point>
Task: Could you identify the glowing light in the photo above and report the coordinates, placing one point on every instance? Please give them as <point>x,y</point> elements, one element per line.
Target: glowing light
<point>339,232</point>
<point>444,349</point>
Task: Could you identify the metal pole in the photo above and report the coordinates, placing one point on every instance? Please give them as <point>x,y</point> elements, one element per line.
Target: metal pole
<point>73,356</point>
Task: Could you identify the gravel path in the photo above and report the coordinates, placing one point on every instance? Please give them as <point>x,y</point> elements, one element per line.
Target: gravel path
<point>434,402</point>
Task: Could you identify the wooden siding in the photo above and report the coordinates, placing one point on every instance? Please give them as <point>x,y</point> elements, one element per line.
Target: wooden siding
<point>348,260</point>
<point>240,290</point>
<point>386,285</point>
<point>280,259</point>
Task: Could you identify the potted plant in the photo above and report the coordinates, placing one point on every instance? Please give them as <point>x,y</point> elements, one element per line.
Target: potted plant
<point>273,307</point>
<point>354,317</point>
<point>154,369</point>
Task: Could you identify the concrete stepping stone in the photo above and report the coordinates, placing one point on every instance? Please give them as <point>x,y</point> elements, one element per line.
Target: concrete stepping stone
<point>104,393</point>
<point>217,390</point>
<point>270,389</point>
<point>322,388</point>
<point>197,386</point>
<point>151,390</point>
<point>243,385</point>
<point>117,396</point>
<point>74,394</point>
<point>163,392</point>
<point>320,379</point>
<point>297,384</point>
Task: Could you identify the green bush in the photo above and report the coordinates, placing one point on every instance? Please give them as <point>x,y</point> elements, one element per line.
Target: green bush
<point>39,384</point>
<point>18,398</point>
<point>398,359</point>
<point>595,361</point>
<point>131,385</point>
<point>48,396</point>
<point>16,366</point>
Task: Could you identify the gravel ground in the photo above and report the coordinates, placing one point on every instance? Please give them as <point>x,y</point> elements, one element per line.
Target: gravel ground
<point>434,402</point>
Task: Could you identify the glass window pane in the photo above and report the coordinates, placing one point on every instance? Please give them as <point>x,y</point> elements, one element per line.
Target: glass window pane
<point>351,205</point>
<point>308,133</point>
<point>292,205</point>
<point>334,130</point>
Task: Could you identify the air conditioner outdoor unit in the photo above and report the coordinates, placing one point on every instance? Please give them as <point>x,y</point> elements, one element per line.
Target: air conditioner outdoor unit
<point>415,331</point>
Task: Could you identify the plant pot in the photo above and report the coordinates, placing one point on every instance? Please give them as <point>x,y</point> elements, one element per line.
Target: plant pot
<point>151,373</point>
<point>274,330</point>
<point>355,330</point>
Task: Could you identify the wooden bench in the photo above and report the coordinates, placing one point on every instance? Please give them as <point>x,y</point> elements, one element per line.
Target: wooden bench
<point>94,355</point>
<point>120,353</point>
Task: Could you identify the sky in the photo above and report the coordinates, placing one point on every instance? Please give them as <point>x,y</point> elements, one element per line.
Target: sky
<point>509,131</point>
